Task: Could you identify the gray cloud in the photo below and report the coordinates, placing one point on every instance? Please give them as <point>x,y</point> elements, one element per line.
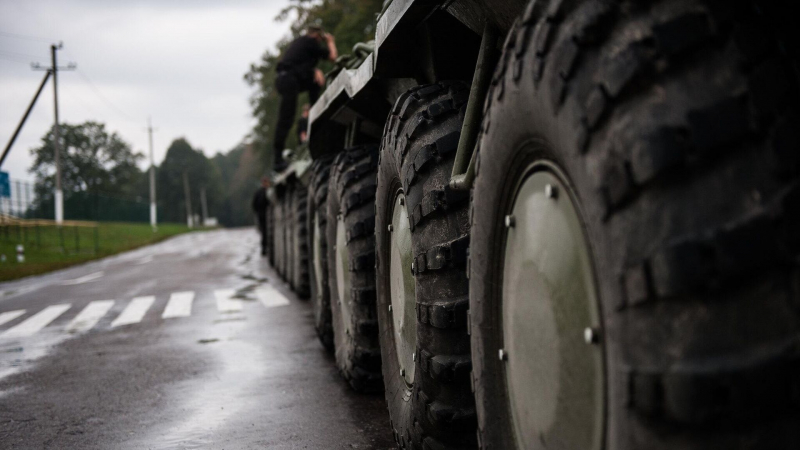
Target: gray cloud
<point>180,62</point>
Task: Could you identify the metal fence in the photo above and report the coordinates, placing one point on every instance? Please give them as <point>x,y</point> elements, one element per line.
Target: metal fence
<point>24,203</point>
<point>72,237</point>
<point>20,201</point>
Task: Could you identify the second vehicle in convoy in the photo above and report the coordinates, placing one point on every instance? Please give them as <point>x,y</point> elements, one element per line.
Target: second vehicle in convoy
<point>559,224</point>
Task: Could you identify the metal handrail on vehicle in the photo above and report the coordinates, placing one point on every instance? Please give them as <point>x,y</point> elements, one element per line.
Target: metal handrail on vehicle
<point>464,165</point>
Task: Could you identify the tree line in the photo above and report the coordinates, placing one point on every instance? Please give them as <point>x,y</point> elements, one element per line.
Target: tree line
<point>101,173</point>
<point>102,180</point>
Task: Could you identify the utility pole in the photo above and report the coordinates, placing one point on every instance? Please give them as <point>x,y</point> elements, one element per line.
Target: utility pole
<point>204,205</point>
<point>24,118</point>
<point>59,194</point>
<point>152,178</point>
<point>189,218</point>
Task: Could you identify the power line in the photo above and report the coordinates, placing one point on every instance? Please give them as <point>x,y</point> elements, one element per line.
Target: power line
<point>20,55</point>
<point>67,90</point>
<point>102,97</point>
<point>8,58</point>
<point>26,37</point>
<point>100,94</point>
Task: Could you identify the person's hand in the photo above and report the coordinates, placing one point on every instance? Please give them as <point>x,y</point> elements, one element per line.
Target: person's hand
<point>332,53</point>
<point>319,78</point>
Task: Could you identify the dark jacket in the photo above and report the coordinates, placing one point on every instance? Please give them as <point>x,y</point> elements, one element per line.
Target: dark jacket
<point>260,203</point>
<point>301,57</point>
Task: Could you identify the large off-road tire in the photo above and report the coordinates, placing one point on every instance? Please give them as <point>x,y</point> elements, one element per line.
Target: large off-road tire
<point>639,166</point>
<point>271,233</point>
<point>351,262</point>
<point>288,226</point>
<point>279,237</point>
<point>299,230</point>
<point>422,235</point>
<point>317,241</point>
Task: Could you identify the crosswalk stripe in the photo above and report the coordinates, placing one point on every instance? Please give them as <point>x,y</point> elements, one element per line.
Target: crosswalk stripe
<point>10,315</point>
<point>179,305</point>
<point>37,321</point>
<point>134,312</point>
<point>225,302</point>
<point>89,316</point>
<point>270,297</point>
<point>83,279</point>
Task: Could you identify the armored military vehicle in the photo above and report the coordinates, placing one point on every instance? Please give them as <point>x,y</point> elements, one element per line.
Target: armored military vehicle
<point>566,224</point>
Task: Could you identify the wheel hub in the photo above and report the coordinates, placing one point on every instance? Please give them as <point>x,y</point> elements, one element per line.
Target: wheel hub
<point>343,274</point>
<point>402,287</point>
<point>554,375</point>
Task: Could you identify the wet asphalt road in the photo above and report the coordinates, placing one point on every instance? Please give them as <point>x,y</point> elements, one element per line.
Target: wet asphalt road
<point>235,365</point>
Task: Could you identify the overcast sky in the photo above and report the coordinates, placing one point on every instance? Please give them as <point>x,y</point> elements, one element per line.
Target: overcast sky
<point>180,62</point>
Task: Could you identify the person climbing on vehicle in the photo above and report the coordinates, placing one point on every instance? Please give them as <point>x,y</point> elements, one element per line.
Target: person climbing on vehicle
<point>297,73</point>
<point>260,205</point>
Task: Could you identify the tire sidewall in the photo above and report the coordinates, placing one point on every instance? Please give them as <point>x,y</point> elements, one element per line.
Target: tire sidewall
<point>342,342</point>
<point>398,394</point>
<point>319,298</point>
<point>522,129</point>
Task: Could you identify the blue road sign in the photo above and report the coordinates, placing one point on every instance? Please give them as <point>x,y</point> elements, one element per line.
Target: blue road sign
<point>5,185</point>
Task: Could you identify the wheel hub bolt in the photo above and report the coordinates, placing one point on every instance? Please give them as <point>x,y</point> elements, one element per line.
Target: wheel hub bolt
<point>591,336</point>
<point>402,372</point>
<point>402,201</point>
<point>503,355</point>
<point>414,356</point>
<point>390,308</point>
<point>551,191</point>
<point>510,221</point>
<point>390,228</point>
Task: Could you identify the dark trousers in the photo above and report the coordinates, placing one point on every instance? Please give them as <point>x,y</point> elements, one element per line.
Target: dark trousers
<point>289,87</point>
<point>262,228</point>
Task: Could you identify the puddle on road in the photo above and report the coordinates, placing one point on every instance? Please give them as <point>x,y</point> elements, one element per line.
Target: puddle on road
<point>237,318</point>
<point>250,277</point>
<point>211,403</point>
<point>246,293</point>
<point>19,354</point>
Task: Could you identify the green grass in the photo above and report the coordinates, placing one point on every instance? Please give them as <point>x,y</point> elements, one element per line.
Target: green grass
<point>44,251</point>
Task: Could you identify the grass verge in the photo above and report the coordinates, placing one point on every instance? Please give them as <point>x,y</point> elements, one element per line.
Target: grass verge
<point>49,248</point>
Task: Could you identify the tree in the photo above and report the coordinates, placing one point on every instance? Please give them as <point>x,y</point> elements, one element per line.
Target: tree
<point>240,176</point>
<point>92,162</point>
<point>182,158</point>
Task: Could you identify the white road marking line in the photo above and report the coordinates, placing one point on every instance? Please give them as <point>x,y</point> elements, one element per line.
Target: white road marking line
<point>10,315</point>
<point>84,279</point>
<point>179,305</point>
<point>89,316</point>
<point>19,291</point>
<point>134,312</point>
<point>270,297</point>
<point>36,322</point>
<point>145,260</point>
<point>225,302</point>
